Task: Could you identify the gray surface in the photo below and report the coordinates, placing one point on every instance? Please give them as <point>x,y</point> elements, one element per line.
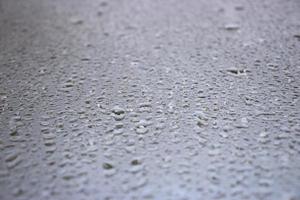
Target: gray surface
<point>168,99</point>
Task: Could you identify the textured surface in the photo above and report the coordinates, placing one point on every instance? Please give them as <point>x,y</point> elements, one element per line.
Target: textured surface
<point>149,99</point>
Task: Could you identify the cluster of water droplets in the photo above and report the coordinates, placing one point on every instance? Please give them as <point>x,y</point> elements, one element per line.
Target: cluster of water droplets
<point>162,107</point>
